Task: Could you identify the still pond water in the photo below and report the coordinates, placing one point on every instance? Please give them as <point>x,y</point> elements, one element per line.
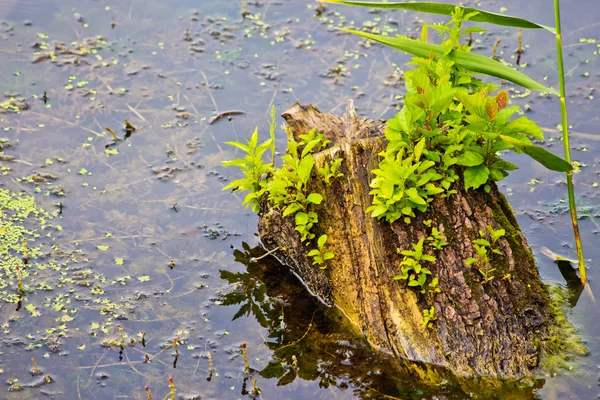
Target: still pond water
<point>138,234</point>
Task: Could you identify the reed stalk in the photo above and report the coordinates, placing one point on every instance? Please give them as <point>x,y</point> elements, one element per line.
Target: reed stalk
<point>567,149</point>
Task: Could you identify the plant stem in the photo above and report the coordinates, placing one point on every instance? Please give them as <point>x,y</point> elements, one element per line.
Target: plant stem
<point>565,131</point>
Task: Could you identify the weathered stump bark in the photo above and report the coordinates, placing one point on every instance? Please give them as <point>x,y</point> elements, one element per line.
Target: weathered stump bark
<point>496,329</point>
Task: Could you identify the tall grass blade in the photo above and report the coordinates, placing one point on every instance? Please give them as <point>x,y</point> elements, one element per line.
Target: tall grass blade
<point>448,9</point>
<point>469,61</point>
<point>567,148</point>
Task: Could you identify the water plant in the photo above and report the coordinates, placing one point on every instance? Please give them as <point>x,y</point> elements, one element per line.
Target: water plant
<point>567,148</point>
<point>171,389</point>
<point>245,356</point>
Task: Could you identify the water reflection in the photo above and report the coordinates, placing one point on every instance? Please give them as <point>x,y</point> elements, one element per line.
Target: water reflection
<point>310,342</point>
<point>574,285</point>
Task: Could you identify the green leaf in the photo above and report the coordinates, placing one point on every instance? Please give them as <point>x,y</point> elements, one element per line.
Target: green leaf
<point>523,125</point>
<point>328,256</point>
<point>470,159</point>
<point>543,156</point>
<point>301,218</point>
<point>314,198</point>
<point>476,176</point>
<point>305,167</point>
<point>291,209</point>
<point>504,165</point>
<point>482,242</point>
<point>448,9</point>
<point>469,61</point>
<point>404,120</point>
<point>419,149</point>
<point>322,240</point>
<point>413,195</point>
<point>239,145</point>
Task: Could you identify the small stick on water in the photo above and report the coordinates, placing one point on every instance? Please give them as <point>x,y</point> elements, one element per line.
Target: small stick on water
<point>112,25</point>
<point>45,97</point>
<point>143,339</point>
<point>224,114</point>
<point>19,280</point>
<point>112,133</point>
<point>255,389</point>
<point>268,253</point>
<point>210,366</point>
<point>176,347</point>
<point>470,39</point>
<point>129,126</point>
<point>245,354</point>
<point>495,49</point>
<point>25,249</point>
<point>148,392</point>
<point>121,338</point>
<point>520,49</point>
<point>36,370</point>
<point>121,343</point>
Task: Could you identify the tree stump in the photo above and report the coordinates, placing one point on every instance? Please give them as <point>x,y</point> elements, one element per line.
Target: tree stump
<point>495,329</point>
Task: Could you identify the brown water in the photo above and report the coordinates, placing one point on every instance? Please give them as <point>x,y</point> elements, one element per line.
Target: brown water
<point>119,229</point>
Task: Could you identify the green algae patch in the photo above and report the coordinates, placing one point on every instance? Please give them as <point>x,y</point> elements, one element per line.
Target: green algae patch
<point>565,344</point>
<point>22,224</point>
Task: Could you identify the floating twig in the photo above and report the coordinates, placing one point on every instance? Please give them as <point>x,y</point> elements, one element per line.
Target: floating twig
<point>255,389</point>
<point>224,114</point>
<point>210,366</point>
<point>495,49</point>
<point>112,133</point>
<point>520,48</point>
<point>35,370</point>
<point>129,126</point>
<point>19,280</point>
<point>25,251</point>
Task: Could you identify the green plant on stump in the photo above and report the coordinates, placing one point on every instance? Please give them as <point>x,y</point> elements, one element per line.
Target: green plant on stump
<point>463,59</point>
<point>286,187</point>
<point>450,122</point>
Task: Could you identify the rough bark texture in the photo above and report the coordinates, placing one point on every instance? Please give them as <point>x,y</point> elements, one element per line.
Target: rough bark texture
<point>494,329</point>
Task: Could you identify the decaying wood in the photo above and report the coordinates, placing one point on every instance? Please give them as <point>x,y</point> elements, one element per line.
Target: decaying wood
<point>494,329</point>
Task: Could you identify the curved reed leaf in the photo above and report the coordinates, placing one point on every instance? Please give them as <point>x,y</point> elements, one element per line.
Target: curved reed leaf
<point>448,9</point>
<point>469,61</point>
<point>539,154</point>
